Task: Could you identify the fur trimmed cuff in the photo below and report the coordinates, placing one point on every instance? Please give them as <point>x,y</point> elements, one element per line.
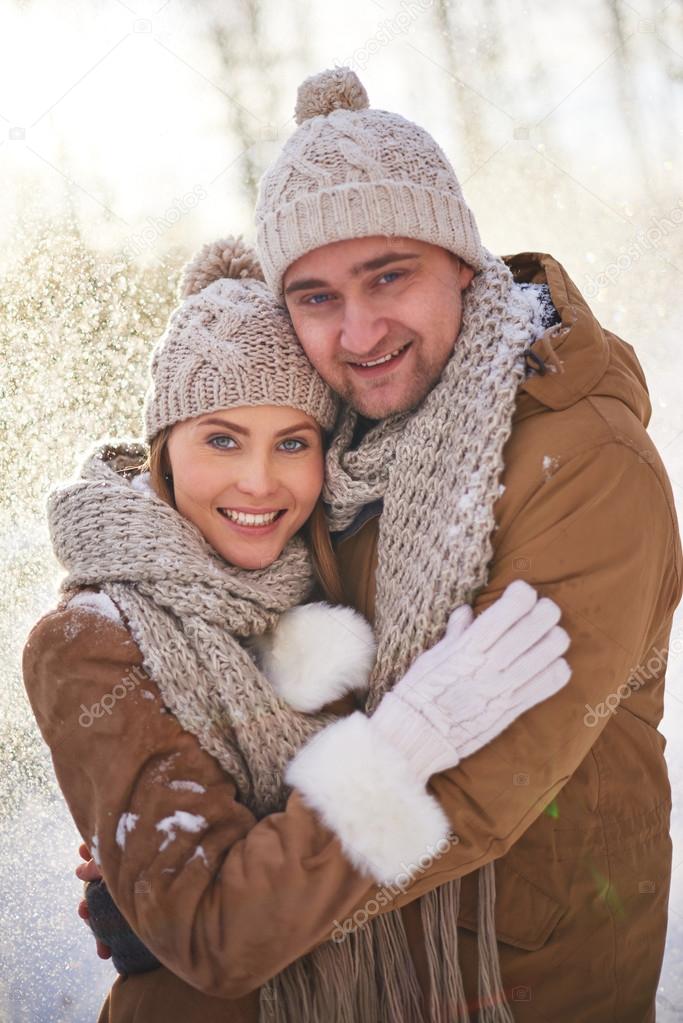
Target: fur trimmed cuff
<point>364,791</point>
<point>315,654</point>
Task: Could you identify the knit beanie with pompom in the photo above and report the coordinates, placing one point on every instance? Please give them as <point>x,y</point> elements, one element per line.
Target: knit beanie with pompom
<point>351,172</point>
<point>230,344</point>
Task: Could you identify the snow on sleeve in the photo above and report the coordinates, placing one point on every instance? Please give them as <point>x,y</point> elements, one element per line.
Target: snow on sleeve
<point>189,786</point>
<point>182,820</point>
<point>95,850</point>
<point>199,854</point>
<point>550,466</point>
<point>97,603</point>
<point>127,822</point>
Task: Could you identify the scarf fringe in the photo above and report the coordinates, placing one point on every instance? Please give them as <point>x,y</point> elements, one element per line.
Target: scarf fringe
<point>369,977</point>
<point>439,910</point>
<point>493,1004</point>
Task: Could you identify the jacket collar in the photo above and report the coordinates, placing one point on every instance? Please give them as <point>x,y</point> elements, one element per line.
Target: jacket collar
<point>582,358</point>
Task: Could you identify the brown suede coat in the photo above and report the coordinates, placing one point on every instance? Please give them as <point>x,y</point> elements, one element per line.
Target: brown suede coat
<point>572,801</point>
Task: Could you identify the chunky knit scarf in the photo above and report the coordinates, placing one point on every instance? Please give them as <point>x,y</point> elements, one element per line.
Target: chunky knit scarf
<point>437,469</point>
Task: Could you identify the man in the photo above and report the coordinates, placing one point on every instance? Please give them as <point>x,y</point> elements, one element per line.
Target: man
<point>363,230</point>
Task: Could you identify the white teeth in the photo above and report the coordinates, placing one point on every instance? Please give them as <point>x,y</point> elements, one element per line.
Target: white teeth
<point>385,358</point>
<point>244,519</point>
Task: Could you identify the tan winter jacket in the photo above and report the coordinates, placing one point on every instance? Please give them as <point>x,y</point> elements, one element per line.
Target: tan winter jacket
<point>572,801</point>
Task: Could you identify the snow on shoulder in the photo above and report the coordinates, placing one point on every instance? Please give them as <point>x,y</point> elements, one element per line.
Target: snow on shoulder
<point>97,603</point>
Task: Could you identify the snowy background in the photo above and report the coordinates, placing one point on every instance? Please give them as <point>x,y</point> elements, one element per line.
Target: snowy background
<point>130,133</point>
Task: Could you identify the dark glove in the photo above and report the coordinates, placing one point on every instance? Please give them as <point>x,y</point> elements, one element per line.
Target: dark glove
<point>107,923</point>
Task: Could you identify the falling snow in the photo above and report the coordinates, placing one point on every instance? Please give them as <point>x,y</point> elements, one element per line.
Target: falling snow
<point>78,314</point>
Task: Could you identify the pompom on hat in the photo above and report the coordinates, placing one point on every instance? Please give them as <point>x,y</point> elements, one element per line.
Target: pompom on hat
<point>229,344</point>
<point>350,171</point>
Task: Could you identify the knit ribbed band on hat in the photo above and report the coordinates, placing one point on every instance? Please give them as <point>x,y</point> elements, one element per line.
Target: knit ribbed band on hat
<point>230,344</point>
<point>351,172</point>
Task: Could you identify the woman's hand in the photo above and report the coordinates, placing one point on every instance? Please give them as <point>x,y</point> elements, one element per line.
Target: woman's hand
<point>90,872</point>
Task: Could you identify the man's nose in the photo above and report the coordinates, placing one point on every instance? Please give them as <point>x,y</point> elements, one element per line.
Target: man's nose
<point>360,331</point>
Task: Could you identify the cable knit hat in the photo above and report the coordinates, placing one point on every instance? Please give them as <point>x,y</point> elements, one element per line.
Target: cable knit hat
<point>229,344</point>
<point>350,172</point>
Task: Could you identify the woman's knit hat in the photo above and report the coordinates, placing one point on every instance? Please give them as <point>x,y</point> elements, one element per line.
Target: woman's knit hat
<point>350,172</point>
<point>229,344</point>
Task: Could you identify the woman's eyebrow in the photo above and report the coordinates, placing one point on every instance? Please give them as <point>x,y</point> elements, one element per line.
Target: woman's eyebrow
<point>224,422</point>
<point>358,268</point>
<point>243,430</point>
<point>295,428</point>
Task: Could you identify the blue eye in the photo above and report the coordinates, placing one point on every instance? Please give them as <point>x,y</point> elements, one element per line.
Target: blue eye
<point>316,299</point>
<point>292,440</point>
<point>217,442</point>
<point>390,273</point>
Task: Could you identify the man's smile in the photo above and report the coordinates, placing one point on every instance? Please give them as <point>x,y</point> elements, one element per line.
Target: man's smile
<point>376,367</point>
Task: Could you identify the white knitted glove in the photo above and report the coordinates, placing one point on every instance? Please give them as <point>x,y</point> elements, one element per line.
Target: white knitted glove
<point>464,691</point>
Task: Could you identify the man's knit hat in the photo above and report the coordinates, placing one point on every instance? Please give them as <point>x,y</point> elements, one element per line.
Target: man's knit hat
<point>350,172</point>
<point>228,344</point>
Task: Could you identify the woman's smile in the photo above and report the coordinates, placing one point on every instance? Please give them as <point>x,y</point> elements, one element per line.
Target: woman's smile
<point>253,522</point>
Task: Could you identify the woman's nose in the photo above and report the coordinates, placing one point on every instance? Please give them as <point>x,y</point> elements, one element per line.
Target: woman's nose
<point>257,479</point>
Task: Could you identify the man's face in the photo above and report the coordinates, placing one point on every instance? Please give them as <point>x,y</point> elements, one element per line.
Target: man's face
<point>367,299</point>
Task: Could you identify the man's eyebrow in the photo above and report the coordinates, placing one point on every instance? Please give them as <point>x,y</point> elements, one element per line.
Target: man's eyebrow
<point>380,261</point>
<point>304,285</point>
<point>358,268</point>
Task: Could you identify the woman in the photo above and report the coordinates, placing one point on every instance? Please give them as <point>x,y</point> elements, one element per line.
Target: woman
<point>192,774</point>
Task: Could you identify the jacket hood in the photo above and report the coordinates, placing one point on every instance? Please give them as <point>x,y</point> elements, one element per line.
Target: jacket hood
<point>582,357</point>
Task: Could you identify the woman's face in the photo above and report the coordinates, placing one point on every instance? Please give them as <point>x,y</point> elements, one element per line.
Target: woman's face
<point>229,466</point>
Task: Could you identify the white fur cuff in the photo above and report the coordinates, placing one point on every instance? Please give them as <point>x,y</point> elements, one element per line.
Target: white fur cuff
<point>364,791</point>
<point>315,654</point>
